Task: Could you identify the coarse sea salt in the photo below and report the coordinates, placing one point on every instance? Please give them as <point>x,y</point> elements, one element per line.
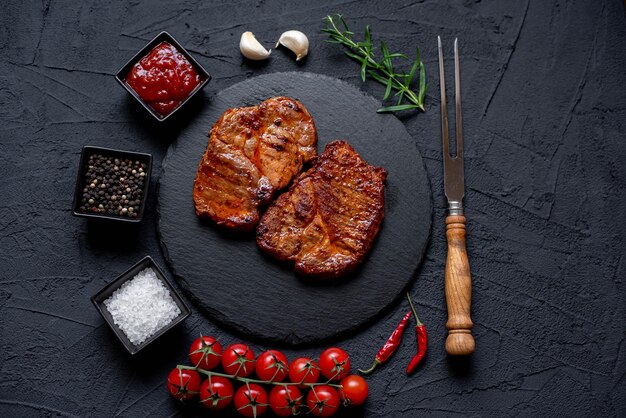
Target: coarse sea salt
<point>142,306</point>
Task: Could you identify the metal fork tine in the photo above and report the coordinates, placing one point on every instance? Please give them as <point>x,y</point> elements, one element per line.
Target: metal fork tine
<point>457,98</point>
<point>444,110</point>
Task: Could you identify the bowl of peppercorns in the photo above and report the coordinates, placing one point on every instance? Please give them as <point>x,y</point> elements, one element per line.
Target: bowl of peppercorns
<point>112,184</point>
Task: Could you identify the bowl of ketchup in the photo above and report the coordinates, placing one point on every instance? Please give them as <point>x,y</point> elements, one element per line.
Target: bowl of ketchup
<point>163,76</point>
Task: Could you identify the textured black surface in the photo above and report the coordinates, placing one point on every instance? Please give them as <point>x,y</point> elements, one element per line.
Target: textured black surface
<point>545,128</point>
<point>236,283</point>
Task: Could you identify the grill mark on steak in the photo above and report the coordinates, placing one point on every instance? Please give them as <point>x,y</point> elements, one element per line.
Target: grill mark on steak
<point>252,153</point>
<point>327,221</point>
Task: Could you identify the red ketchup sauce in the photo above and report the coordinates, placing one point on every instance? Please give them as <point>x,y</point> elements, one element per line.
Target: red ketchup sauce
<point>164,78</point>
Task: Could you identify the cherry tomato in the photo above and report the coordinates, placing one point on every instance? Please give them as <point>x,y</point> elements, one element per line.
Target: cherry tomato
<point>238,360</point>
<point>353,390</point>
<point>205,353</point>
<point>304,370</point>
<point>285,401</point>
<point>216,393</point>
<point>334,363</point>
<point>251,400</point>
<point>322,401</point>
<point>183,384</point>
<point>271,366</point>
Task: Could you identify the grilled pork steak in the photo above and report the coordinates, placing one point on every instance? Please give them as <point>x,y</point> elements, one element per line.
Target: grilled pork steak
<point>252,153</point>
<point>330,216</point>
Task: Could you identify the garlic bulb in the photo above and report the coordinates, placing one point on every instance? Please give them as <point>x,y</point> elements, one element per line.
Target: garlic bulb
<point>295,41</point>
<point>251,48</point>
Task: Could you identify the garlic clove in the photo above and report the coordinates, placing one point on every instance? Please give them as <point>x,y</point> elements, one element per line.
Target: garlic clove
<point>251,48</point>
<point>295,41</point>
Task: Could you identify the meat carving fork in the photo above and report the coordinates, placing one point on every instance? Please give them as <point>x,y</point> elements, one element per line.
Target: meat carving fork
<point>458,281</point>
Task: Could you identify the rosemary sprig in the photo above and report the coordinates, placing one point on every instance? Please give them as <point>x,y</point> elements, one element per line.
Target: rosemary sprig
<point>382,71</point>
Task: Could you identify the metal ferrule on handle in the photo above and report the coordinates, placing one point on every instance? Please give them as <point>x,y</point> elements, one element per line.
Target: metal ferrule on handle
<point>455,208</point>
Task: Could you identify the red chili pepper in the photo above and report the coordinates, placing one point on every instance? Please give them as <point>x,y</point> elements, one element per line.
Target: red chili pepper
<point>390,346</point>
<point>422,341</point>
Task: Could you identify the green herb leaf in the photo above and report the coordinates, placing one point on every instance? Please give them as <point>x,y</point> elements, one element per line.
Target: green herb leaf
<point>354,56</point>
<point>368,39</point>
<point>414,68</point>
<point>363,69</point>
<point>400,95</point>
<point>397,108</point>
<point>388,90</point>
<point>386,58</point>
<point>378,77</point>
<point>423,87</point>
<point>398,55</point>
<point>343,22</point>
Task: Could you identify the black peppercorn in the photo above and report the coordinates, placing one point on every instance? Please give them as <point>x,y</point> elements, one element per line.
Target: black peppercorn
<point>113,186</point>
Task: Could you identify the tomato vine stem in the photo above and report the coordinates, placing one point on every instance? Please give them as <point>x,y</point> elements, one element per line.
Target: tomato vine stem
<point>249,380</point>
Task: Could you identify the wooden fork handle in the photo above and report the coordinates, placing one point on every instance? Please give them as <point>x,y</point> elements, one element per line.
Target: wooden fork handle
<point>458,289</point>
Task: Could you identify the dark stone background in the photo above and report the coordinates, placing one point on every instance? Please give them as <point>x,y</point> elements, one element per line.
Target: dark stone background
<point>545,125</point>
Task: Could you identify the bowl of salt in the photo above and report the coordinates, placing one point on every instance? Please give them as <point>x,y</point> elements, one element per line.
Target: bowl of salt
<point>140,305</point>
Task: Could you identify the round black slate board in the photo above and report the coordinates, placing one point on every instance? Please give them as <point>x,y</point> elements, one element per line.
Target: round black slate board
<point>228,277</point>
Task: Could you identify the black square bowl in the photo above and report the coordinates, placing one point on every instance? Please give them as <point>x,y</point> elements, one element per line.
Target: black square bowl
<point>104,294</point>
<point>113,153</point>
<point>161,37</point>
